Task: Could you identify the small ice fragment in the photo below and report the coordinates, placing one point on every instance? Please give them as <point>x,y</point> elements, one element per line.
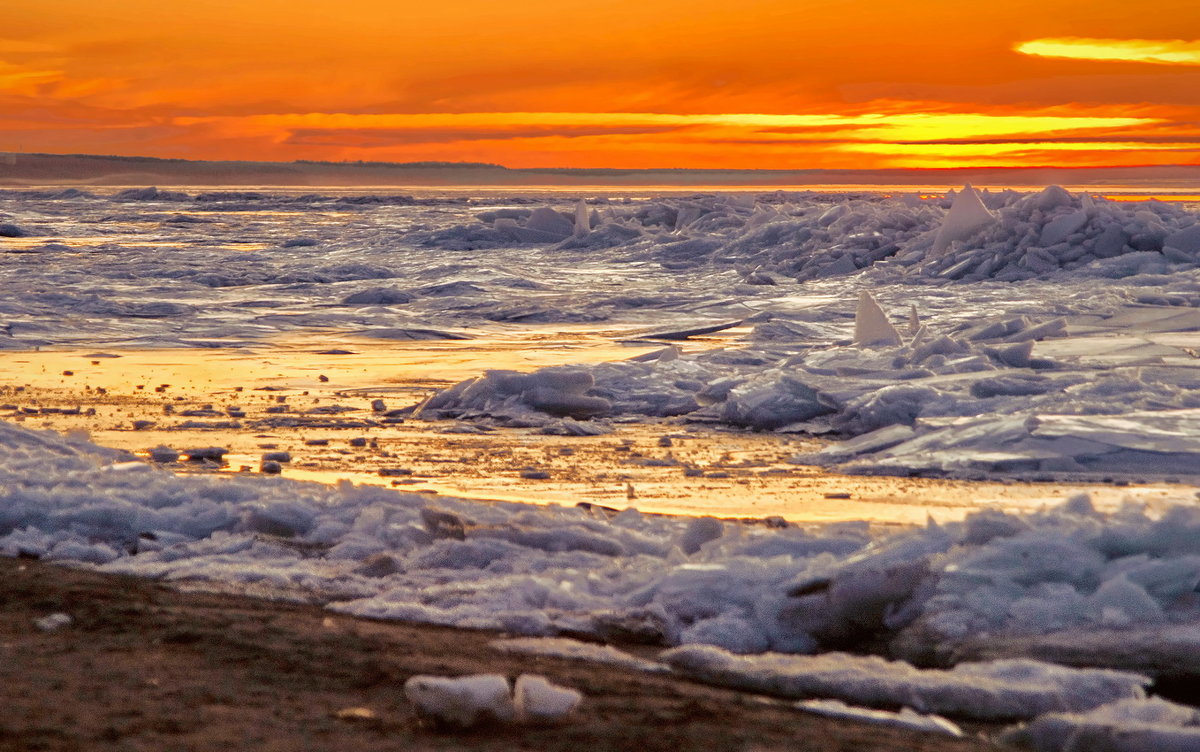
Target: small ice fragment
<point>906,718</point>
<point>163,453</point>
<point>216,454</point>
<point>53,622</point>
<point>461,701</point>
<point>871,326</point>
<point>299,242</point>
<point>914,321</point>
<point>536,700</point>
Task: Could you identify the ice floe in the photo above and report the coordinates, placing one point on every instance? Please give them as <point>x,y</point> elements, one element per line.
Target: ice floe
<point>999,690</point>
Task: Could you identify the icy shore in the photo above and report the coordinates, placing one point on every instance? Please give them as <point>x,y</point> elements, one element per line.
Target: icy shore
<point>553,571</point>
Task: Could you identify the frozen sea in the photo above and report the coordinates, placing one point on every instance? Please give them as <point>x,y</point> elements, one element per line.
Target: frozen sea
<point>1045,334</point>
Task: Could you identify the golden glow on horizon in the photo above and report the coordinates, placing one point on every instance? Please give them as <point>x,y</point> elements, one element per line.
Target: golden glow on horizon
<point>788,84</point>
<point>1169,52</point>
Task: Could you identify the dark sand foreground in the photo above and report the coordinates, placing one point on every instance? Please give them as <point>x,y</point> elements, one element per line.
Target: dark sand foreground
<point>146,667</point>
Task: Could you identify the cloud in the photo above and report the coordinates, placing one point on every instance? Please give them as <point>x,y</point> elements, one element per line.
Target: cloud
<point>1160,51</point>
<point>365,138</point>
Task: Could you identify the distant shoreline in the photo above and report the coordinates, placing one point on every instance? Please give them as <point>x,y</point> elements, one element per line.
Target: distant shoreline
<point>96,170</point>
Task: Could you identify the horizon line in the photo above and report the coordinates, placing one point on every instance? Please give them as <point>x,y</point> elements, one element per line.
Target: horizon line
<point>435,164</point>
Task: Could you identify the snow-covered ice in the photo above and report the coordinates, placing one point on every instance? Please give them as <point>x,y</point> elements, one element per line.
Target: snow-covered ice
<point>1000,690</point>
<point>538,700</point>
<point>465,701</point>
<point>1152,725</point>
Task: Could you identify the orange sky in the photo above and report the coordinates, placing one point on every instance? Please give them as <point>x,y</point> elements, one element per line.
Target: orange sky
<point>612,83</point>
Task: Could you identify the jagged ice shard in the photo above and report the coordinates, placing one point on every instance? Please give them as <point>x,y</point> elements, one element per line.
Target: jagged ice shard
<point>967,216</point>
<point>871,325</point>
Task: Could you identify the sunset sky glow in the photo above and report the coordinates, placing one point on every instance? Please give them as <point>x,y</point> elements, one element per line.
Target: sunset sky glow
<point>615,83</point>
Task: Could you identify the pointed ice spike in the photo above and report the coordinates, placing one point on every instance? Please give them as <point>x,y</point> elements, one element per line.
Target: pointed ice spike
<point>871,326</point>
<point>583,222</point>
<point>1087,204</point>
<point>966,217</point>
<point>914,321</point>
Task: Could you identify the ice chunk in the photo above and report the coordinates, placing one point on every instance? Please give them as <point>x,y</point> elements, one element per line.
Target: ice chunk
<point>1060,228</point>
<point>700,531</point>
<point>549,221</point>
<point>1152,725</point>
<point>583,223</point>
<point>1120,603</point>
<point>871,325</point>
<point>775,404</point>
<point>1187,240</point>
<point>966,217</point>
<point>53,622</point>
<point>536,700</point>
<point>1110,242</point>
<point>164,453</point>
<point>302,241</point>
<point>1051,197</point>
<point>463,701</point>
<point>378,296</point>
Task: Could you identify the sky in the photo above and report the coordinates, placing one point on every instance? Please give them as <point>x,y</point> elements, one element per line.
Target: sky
<point>780,84</point>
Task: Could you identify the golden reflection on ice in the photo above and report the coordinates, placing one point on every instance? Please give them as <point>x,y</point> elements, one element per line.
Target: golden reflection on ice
<point>298,396</point>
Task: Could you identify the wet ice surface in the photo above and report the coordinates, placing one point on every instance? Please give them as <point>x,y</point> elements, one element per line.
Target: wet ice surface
<point>1039,335</point>
<point>1044,334</point>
